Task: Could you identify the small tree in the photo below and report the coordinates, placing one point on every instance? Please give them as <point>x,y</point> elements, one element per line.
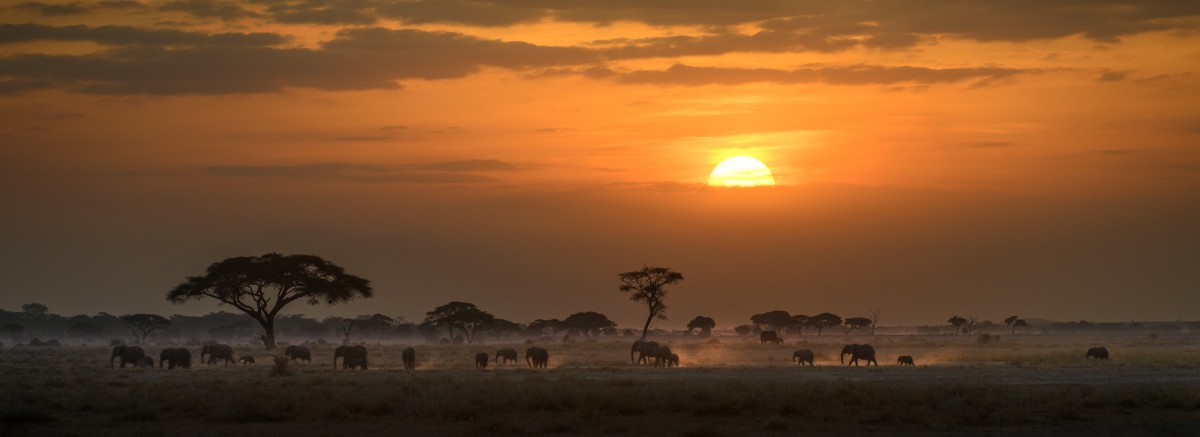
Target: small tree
<point>702,323</point>
<point>874,319</point>
<point>262,286</point>
<point>971,323</point>
<point>375,324</point>
<point>853,323</point>
<point>142,325</point>
<point>1019,324</point>
<point>742,329</point>
<point>588,322</point>
<point>35,310</point>
<point>649,285</point>
<point>958,322</point>
<point>462,315</point>
<point>824,320</point>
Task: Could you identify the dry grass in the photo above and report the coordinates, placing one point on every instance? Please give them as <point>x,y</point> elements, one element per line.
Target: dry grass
<point>1034,385</point>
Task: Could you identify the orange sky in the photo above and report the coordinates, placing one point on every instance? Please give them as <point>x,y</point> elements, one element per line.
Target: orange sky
<point>934,157</point>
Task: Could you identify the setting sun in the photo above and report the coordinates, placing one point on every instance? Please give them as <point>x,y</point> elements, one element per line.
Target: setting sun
<point>741,171</point>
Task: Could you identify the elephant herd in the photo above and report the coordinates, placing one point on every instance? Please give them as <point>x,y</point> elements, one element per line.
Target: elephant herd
<point>649,350</point>
<point>355,357</point>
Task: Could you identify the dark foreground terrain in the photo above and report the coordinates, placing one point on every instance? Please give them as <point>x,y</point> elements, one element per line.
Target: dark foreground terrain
<point>1031,387</point>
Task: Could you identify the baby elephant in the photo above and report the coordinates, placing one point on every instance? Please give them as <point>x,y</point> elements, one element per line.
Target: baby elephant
<point>905,360</point>
<point>673,360</point>
<point>481,360</point>
<point>802,356</point>
<point>1099,353</point>
<point>145,362</point>
<point>246,359</point>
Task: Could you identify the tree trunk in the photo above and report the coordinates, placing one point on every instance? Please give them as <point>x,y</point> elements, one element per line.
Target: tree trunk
<point>269,334</point>
<point>646,328</point>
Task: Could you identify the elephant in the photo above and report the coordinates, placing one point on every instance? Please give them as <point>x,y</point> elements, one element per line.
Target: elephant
<point>537,357</point>
<point>352,356</point>
<point>508,354</point>
<point>131,355</point>
<point>858,352</point>
<point>173,357</point>
<point>770,337</point>
<point>246,359</point>
<point>145,362</point>
<point>673,361</point>
<point>217,352</point>
<point>662,356</point>
<point>410,358</point>
<point>297,353</point>
<point>1099,353</point>
<point>905,360</point>
<point>481,360</point>
<point>801,356</point>
<point>644,350</point>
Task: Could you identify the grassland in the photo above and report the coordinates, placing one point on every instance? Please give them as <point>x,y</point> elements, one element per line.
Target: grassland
<point>1031,385</point>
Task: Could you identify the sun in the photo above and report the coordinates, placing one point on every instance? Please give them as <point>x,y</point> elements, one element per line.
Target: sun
<point>741,171</point>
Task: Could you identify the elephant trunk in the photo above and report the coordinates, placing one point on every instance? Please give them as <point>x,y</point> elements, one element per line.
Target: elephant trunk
<point>842,358</point>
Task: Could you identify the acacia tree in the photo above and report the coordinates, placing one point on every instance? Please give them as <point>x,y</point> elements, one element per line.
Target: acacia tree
<point>799,321</point>
<point>824,320</point>
<point>141,325</point>
<point>958,322</point>
<point>649,285</point>
<point>1014,322</point>
<point>971,323</point>
<point>853,323</point>
<point>499,325</point>
<point>462,315</point>
<point>262,286</point>
<point>704,324</point>
<point>548,327</point>
<point>588,322</point>
<point>778,320</point>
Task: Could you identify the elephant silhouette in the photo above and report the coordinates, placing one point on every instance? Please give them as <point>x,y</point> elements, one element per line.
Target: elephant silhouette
<point>770,337</point>
<point>905,360</point>
<point>352,356</point>
<point>644,351</point>
<point>537,357</point>
<point>297,353</point>
<point>857,352</point>
<point>507,354</point>
<point>802,356</point>
<point>1099,353</point>
<point>175,357</point>
<point>217,352</point>
<point>131,355</point>
<point>481,360</point>
<point>410,358</point>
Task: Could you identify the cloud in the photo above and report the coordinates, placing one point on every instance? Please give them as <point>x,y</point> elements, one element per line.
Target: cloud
<point>350,172</point>
<point>481,165</point>
<point>75,7</point>
<point>225,10</point>
<point>133,36</point>
<point>680,74</point>
<point>1112,76</point>
<point>321,11</point>
<point>884,21</point>
<point>355,59</point>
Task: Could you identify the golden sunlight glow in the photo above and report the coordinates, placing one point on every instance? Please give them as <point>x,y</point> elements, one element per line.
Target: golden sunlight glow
<point>741,171</point>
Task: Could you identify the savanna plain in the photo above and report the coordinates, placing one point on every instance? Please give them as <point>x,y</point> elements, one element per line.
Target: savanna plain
<point>1038,384</point>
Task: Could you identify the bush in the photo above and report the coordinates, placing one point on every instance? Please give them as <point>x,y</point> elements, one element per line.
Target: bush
<point>987,338</point>
<point>116,342</point>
